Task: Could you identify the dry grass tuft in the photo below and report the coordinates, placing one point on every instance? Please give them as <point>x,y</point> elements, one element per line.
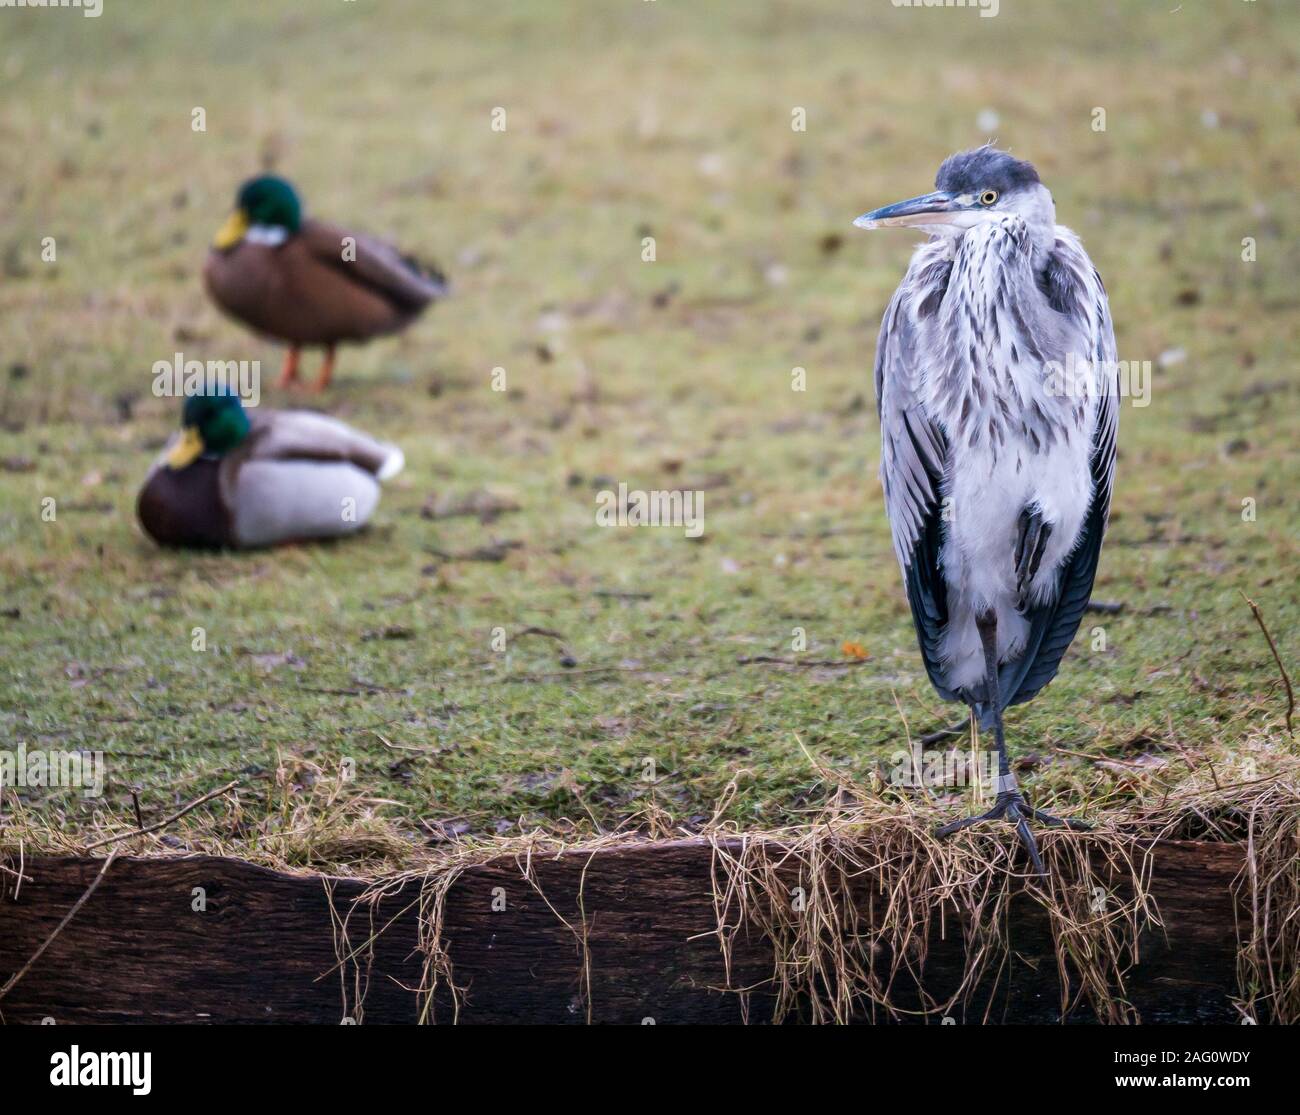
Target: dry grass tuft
<point>1268,955</point>
<point>852,903</point>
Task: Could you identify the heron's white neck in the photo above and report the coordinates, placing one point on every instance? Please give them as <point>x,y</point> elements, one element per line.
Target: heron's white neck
<point>1035,207</point>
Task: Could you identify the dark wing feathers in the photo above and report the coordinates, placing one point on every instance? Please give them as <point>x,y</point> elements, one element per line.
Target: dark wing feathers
<point>927,592</point>
<point>401,279</point>
<point>913,457</point>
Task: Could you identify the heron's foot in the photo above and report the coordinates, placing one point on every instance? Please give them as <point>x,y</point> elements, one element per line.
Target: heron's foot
<point>1011,807</point>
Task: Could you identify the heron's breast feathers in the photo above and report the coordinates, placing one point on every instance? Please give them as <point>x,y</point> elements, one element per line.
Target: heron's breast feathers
<point>1002,369</point>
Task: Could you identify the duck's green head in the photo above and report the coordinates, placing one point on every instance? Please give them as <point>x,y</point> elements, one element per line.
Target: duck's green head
<point>211,423</point>
<point>267,202</point>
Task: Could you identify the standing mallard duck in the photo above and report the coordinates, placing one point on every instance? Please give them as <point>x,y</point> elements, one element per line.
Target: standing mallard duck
<point>239,481</point>
<point>306,282</point>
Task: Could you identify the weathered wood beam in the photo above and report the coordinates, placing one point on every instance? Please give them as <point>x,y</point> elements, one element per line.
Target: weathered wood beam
<point>263,950</point>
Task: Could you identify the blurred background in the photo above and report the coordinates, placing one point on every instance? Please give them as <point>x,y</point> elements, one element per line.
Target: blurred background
<point>625,119</point>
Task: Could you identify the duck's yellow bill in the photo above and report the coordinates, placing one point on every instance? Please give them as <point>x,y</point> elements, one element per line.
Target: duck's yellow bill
<point>232,232</point>
<point>186,450</point>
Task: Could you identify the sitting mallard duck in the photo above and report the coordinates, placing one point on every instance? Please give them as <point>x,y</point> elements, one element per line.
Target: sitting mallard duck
<point>305,282</point>
<point>231,480</point>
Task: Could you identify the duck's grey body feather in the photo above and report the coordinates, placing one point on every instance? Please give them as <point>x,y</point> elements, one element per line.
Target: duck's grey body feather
<point>294,500</point>
<point>302,475</point>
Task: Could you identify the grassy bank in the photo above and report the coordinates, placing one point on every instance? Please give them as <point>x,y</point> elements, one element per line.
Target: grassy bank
<point>624,121</point>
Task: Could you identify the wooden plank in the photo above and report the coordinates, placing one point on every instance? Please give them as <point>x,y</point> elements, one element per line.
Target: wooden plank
<point>263,949</point>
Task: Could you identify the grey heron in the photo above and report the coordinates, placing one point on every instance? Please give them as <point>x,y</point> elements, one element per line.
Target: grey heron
<point>995,385</point>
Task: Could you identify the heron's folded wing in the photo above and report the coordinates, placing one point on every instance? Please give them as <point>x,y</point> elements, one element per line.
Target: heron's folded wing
<point>913,457</point>
<point>1053,625</point>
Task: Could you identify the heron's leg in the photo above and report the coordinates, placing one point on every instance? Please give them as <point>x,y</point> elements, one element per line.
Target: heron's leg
<point>1014,806</point>
<point>1010,804</point>
<point>987,626</point>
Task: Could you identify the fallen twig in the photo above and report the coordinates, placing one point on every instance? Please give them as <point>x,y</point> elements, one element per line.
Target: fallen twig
<point>545,631</point>
<point>574,673</point>
<point>769,659</point>
<point>402,746</point>
<point>1286,680</point>
<point>931,738</point>
<point>9,984</point>
<point>166,820</point>
<point>1118,607</point>
<point>16,874</point>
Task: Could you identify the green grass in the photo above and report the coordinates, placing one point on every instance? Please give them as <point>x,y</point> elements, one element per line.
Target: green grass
<point>625,119</point>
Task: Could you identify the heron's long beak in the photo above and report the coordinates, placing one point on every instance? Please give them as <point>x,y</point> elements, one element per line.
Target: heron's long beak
<point>232,232</point>
<point>185,451</point>
<point>938,208</point>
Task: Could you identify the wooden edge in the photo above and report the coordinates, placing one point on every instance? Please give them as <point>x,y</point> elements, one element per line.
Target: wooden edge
<point>620,934</point>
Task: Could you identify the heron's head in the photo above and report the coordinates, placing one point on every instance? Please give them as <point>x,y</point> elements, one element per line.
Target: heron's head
<point>972,187</point>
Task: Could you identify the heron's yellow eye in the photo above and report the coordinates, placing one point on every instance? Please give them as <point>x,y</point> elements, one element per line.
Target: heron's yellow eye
<point>988,197</point>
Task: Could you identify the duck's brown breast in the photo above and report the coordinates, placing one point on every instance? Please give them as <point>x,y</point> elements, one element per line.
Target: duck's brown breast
<point>184,508</point>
